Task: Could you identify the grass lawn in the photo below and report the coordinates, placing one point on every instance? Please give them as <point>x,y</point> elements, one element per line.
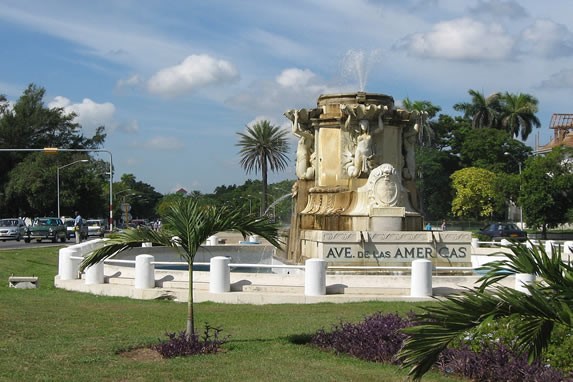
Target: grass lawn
<point>50,334</point>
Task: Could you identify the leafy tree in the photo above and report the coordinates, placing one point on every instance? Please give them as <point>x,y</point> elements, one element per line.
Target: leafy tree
<point>533,315</point>
<point>29,124</point>
<point>141,196</point>
<point>187,224</point>
<point>263,147</point>
<point>518,114</point>
<point>546,192</point>
<point>476,193</point>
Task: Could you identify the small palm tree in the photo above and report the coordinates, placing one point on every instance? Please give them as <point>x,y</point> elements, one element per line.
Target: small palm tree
<point>425,112</point>
<point>518,114</point>
<point>534,315</point>
<point>263,147</point>
<point>483,111</point>
<point>185,226</point>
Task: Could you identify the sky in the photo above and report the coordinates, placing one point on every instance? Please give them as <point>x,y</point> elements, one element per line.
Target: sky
<point>173,82</point>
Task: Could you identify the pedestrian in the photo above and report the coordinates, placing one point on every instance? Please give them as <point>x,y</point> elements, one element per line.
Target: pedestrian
<point>428,227</point>
<point>78,223</point>
<point>443,226</point>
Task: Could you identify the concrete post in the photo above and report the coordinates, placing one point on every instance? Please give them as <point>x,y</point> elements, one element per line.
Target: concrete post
<point>146,245</point>
<point>212,240</point>
<point>220,275</point>
<point>144,272</point>
<point>567,254</point>
<point>550,247</point>
<point>523,279</point>
<point>68,268</point>
<point>505,242</point>
<point>475,242</point>
<point>94,274</point>
<point>421,283</point>
<point>315,277</point>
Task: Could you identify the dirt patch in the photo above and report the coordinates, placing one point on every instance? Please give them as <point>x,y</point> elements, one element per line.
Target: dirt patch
<point>142,354</point>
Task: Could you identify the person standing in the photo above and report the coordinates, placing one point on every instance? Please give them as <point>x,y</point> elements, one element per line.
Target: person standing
<point>78,223</point>
<point>443,225</point>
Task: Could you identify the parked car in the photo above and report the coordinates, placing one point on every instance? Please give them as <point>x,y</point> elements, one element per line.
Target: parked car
<point>498,231</point>
<point>96,227</point>
<point>71,231</point>
<point>47,228</point>
<point>12,229</point>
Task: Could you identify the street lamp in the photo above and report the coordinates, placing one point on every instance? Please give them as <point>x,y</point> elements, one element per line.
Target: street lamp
<point>58,179</point>
<point>519,168</point>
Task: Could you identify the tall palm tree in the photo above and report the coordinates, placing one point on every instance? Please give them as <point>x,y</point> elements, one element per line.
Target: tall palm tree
<point>425,111</point>
<point>518,114</point>
<point>533,314</point>
<point>185,226</point>
<point>264,147</point>
<point>483,111</point>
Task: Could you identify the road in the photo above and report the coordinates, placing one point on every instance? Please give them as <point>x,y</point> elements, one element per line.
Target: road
<point>13,244</point>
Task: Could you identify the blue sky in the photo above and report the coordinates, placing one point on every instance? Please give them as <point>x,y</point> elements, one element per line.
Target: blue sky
<point>174,81</point>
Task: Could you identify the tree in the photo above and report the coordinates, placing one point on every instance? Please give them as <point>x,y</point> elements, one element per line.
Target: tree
<point>425,111</point>
<point>475,192</point>
<point>185,226</point>
<point>518,114</point>
<point>546,192</point>
<point>30,124</point>
<point>533,315</point>
<point>263,147</point>
<point>483,111</point>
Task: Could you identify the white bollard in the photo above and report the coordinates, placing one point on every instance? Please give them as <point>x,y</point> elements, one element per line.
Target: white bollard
<point>550,247</point>
<point>315,277</point>
<point>68,268</point>
<point>505,242</point>
<point>144,272</point>
<point>220,275</point>
<point>146,245</point>
<point>94,274</point>
<point>212,240</point>
<point>523,279</point>
<point>254,239</point>
<point>421,283</point>
<point>475,242</point>
<point>567,253</point>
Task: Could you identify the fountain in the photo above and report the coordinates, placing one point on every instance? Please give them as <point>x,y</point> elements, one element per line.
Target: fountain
<point>355,198</point>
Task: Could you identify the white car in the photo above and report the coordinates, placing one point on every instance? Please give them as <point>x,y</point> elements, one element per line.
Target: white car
<point>96,227</point>
<point>12,229</point>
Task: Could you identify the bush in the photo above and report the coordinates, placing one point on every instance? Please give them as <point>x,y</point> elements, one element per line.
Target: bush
<point>180,344</point>
<point>378,338</point>
<point>482,356</point>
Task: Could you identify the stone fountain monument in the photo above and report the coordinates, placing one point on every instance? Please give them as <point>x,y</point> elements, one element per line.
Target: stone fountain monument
<point>355,198</point>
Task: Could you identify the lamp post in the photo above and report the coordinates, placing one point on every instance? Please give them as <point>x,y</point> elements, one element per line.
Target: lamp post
<point>58,179</point>
<point>519,169</point>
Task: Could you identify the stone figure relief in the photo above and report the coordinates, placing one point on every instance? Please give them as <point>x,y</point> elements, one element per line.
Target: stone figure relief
<point>409,137</point>
<point>305,153</point>
<point>359,155</point>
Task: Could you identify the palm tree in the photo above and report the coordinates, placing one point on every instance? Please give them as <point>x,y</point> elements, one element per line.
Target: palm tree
<point>263,147</point>
<point>185,226</point>
<point>533,314</point>
<point>518,114</point>
<point>483,111</point>
<point>425,111</point>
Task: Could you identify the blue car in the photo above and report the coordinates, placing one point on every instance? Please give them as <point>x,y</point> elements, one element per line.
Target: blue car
<point>508,231</point>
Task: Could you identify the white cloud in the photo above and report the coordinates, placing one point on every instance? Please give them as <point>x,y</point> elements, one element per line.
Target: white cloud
<point>130,82</point>
<point>295,78</point>
<point>547,38</point>
<point>499,9</point>
<point>460,39</point>
<point>89,114</point>
<point>560,80</point>
<point>194,72</point>
<point>162,143</point>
